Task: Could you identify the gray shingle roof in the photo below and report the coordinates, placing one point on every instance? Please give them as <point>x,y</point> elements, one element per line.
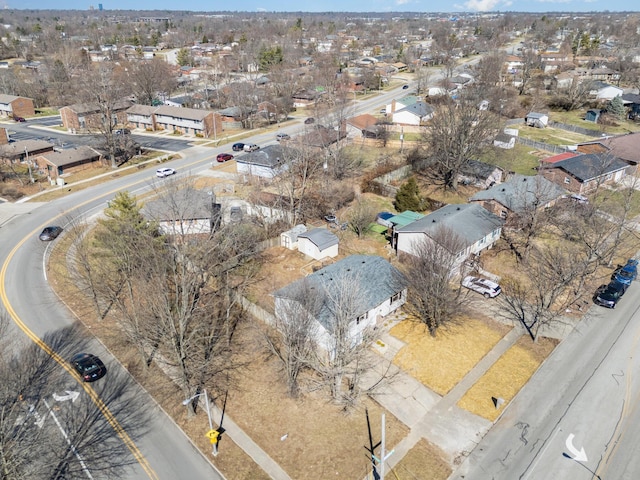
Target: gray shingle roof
<point>184,204</point>
<point>320,237</point>
<point>270,156</point>
<point>521,191</point>
<point>374,277</point>
<point>470,221</point>
<point>590,166</point>
<point>420,109</point>
<point>180,112</point>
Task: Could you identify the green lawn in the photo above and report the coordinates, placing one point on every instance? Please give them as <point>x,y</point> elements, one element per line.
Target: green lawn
<point>519,159</point>
<point>552,136</point>
<point>613,202</point>
<point>577,118</point>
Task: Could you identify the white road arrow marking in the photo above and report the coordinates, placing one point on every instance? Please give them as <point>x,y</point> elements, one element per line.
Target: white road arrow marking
<point>578,455</point>
<point>70,395</point>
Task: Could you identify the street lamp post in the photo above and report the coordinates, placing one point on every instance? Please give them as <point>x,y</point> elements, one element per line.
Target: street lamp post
<point>211,434</point>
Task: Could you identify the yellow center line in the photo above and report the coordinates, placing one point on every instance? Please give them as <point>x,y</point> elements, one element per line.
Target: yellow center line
<point>124,436</point>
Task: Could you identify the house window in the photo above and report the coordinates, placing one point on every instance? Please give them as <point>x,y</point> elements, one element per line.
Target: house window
<point>503,214</point>
<point>396,297</point>
<point>567,180</point>
<point>362,318</point>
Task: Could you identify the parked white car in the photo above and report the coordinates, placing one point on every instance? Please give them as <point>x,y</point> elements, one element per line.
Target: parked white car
<point>165,172</point>
<point>483,286</point>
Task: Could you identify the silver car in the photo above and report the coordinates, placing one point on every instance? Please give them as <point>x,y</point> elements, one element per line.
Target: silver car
<point>483,286</point>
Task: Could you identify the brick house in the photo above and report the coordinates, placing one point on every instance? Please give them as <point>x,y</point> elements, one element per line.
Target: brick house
<point>14,106</point>
<point>57,163</point>
<point>582,174</point>
<point>518,194</point>
<point>86,117</point>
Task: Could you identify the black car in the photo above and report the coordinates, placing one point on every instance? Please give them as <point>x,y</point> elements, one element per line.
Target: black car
<point>309,121</point>
<point>237,147</point>
<point>89,367</point>
<point>609,295</point>
<point>50,233</point>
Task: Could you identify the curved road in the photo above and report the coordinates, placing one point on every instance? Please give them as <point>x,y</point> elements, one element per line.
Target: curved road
<point>164,452</point>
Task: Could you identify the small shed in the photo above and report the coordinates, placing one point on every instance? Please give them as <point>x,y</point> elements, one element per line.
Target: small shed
<point>538,120</point>
<point>592,115</point>
<point>505,141</point>
<point>289,239</point>
<point>318,243</point>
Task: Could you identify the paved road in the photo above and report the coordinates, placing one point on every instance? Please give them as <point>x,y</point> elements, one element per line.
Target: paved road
<point>585,396</point>
<point>166,453</point>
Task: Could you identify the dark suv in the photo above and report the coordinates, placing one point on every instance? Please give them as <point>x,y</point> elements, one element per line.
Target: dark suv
<point>609,295</point>
<point>626,273</point>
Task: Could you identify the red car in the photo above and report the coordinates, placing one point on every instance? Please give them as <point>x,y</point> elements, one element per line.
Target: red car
<point>223,157</point>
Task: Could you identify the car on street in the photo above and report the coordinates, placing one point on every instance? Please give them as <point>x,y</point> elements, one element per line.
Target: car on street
<point>165,172</point>
<point>309,121</point>
<point>609,295</point>
<point>482,286</point>
<point>224,157</point>
<point>89,367</point>
<point>19,119</point>
<point>404,87</point>
<point>282,136</point>
<point>50,233</point>
<point>237,147</point>
<point>250,147</point>
<point>122,131</point>
<point>626,273</point>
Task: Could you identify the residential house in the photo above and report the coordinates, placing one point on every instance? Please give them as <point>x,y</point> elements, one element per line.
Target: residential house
<point>306,98</point>
<point>318,243</point>
<point>184,212</point>
<point>476,227</point>
<point>15,106</point>
<point>632,102</point>
<point>480,174</point>
<point>267,162</point>
<point>604,92</point>
<point>55,164</point>
<point>141,116</point>
<point>582,174</point>
<point>375,289</point>
<point>365,125</point>
<point>624,147</point>
<point>517,195</point>
<point>320,136</point>
<point>189,121</point>
<point>410,110</point>
<point>22,150</point>
<point>86,117</point>
<point>538,120</point>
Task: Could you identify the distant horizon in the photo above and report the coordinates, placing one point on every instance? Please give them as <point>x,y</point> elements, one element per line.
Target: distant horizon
<point>423,7</point>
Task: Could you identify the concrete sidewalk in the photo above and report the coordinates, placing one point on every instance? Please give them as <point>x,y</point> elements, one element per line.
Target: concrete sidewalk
<point>431,416</point>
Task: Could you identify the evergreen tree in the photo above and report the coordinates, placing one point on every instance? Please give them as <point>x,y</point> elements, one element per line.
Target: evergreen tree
<point>616,107</point>
<point>408,197</point>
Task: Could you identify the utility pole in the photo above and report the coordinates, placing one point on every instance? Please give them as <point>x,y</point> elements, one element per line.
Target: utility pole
<point>26,156</point>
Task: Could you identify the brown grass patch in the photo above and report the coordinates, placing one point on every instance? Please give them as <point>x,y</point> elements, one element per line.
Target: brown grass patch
<point>507,376</point>
<point>423,461</point>
<point>440,362</point>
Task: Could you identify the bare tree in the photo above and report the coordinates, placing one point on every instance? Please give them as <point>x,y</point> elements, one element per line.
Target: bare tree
<point>293,338</point>
<point>459,132</point>
<point>149,78</point>
<point>429,271</point>
<point>360,217</point>
<point>69,442</point>
<point>542,297</point>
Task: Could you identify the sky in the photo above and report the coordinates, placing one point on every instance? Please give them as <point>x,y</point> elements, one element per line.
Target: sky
<point>337,5</point>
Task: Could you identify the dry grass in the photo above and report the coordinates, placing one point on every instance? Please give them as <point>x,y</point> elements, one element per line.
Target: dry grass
<point>424,462</point>
<point>506,377</point>
<point>440,362</point>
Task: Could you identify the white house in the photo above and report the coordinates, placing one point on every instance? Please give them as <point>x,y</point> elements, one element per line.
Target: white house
<point>185,212</point>
<point>318,243</point>
<point>267,162</point>
<point>366,285</point>
<point>478,229</point>
<point>538,120</point>
<point>604,91</point>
